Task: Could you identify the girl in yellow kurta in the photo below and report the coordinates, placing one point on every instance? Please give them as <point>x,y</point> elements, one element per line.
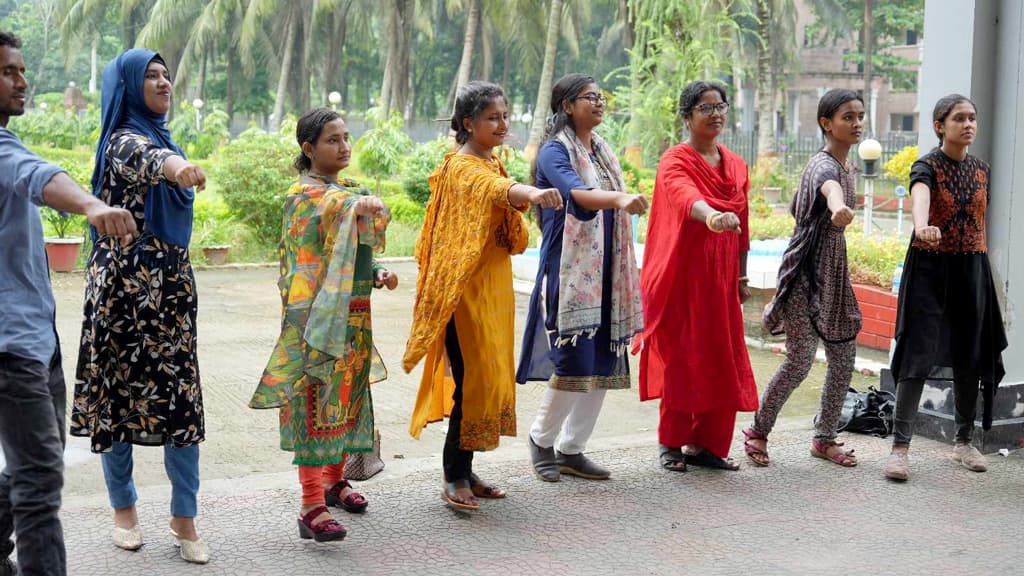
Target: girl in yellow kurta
<point>465,307</point>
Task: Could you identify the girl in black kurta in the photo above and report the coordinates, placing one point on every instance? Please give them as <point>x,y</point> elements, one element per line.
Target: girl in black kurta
<point>949,322</point>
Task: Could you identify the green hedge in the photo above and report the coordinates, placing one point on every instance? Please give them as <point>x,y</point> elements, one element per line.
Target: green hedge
<point>252,174</point>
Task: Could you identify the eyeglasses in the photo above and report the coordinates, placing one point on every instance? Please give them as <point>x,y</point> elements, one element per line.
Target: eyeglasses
<point>708,109</point>
<point>593,98</point>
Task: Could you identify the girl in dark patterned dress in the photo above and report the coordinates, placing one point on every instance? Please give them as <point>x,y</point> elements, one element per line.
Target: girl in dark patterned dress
<point>815,297</point>
<point>137,380</point>
<point>948,322</point>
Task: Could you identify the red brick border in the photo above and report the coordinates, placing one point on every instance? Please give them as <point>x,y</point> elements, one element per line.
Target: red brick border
<point>879,309</point>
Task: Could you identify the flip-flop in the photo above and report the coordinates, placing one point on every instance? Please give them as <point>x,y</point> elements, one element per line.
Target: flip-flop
<point>482,489</point>
<point>708,460</point>
<point>672,459</point>
<point>448,495</point>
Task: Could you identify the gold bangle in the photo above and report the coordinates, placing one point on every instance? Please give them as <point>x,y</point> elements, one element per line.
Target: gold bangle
<point>744,279</point>
<point>710,218</point>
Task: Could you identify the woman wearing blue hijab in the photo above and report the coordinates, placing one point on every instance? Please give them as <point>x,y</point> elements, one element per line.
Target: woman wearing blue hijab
<point>137,380</point>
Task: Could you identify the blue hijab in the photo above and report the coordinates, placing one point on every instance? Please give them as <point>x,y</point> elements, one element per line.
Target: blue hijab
<point>168,206</point>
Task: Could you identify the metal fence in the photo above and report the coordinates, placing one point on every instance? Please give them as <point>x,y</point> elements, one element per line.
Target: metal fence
<point>794,151</point>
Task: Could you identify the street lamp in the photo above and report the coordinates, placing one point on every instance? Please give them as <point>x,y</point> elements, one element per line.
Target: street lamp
<point>198,105</point>
<point>334,98</point>
<point>869,151</point>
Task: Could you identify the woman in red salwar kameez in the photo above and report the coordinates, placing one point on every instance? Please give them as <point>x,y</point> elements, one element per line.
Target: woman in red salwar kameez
<point>693,352</point>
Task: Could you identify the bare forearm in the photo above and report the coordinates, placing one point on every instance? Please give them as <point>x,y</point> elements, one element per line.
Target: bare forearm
<point>171,166</point>
<point>835,197</point>
<point>519,194</point>
<point>922,204</point>
<point>62,194</point>
<point>595,199</point>
<point>743,264</point>
<point>701,210</point>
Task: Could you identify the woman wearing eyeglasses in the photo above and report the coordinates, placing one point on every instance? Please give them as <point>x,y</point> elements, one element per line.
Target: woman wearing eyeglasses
<point>585,306</point>
<point>693,353</point>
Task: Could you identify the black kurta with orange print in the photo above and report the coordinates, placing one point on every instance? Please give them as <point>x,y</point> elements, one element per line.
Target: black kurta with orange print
<point>949,319</point>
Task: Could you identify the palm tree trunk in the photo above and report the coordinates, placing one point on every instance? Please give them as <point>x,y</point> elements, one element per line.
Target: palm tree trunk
<point>286,65</point>
<point>229,97</point>
<point>765,97</point>
<point>487,52</point>
<point>201,87</point>
<point>547,76</point>
<point>400,82</point>
<point>468,40</point>
<point>94,63</point>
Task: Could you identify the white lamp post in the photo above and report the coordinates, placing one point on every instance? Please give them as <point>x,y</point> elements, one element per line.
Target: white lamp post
<point>334,98</point>
<point>198,105</point>
<point>869,151</point>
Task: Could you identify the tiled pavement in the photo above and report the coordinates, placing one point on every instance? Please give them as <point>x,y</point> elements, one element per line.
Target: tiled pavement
<point>800,516</point>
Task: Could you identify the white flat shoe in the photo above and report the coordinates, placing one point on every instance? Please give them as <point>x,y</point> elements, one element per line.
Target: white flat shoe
<point>194,551</point>
<point>128,538</point>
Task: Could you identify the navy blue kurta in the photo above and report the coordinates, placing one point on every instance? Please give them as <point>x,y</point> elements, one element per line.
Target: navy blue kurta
<point>589,363</point>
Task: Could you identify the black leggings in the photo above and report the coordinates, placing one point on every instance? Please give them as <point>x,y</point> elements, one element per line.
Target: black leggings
<point>908,399</point>
<point>458,463</point>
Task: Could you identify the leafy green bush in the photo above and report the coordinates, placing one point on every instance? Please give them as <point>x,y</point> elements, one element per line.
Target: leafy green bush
<point>199,144</point>
<point>61,224</point>
<point>379,152</point>
<point>77,162</point>
<point>424,159</point>
<point>252,174</point>
<point>874,260</point>
<point>515,162</point>
<point>770,227</point>
<point>58,128</point>
<point>405,209</point>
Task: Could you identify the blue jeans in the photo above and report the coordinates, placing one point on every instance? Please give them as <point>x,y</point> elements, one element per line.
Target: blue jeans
<point>32,397</point>
<point>181,464</point>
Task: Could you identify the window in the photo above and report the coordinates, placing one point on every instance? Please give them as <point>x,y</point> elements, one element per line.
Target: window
<point>901,123</point>
<point>911,37</point>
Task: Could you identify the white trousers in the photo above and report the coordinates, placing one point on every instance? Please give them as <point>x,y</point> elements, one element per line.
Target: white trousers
<point>574,414</point>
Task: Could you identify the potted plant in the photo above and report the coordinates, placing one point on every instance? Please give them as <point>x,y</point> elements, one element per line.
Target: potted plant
<point>215,239</point>
<point>62,250</point>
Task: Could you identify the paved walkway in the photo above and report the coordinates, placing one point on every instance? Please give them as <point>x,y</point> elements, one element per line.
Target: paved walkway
<point>800,516</point>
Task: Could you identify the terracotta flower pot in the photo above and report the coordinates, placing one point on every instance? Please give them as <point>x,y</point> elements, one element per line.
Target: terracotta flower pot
<point>62,253</point>
<point>216,255</point>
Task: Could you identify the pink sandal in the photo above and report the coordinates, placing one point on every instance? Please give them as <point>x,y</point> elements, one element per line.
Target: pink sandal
<point>756,455</point>
<point>845,458</point>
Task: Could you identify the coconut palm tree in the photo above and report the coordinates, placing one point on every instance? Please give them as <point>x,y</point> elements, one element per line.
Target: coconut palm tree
<point>547,77</point>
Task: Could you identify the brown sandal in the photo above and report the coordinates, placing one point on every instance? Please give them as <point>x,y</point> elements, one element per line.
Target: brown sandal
<point>483,489</point>
<point>756,455</point>
<point>845,458</point>
<point>448,495</point>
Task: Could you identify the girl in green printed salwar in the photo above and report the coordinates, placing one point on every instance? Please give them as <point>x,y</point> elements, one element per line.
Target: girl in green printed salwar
<point>320,371</point>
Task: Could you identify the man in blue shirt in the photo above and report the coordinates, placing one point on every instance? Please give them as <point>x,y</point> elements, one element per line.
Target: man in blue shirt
<point>32,392</point>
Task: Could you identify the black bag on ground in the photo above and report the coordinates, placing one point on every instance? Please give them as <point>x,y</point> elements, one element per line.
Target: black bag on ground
<point>868,412</point>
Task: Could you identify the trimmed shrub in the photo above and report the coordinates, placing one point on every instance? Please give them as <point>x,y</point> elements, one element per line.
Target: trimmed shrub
<point>405,209</point>
<point>420,165</point>
<point>252,174</point>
